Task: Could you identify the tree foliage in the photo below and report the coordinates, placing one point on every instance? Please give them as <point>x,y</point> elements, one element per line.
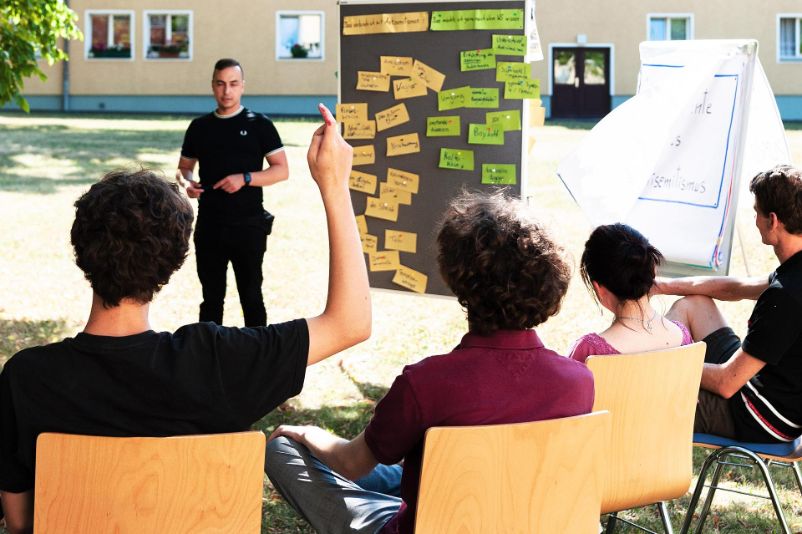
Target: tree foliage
<point>31,30</point>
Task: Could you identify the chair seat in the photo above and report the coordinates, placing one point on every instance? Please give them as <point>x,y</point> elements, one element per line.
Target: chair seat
<point>781,451</point>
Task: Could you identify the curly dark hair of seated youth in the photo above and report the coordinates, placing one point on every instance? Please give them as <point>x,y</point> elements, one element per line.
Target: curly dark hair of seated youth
<point>621,259</point>
<point>779,190</point>
<point>130,234</point>
<point>502,265</point>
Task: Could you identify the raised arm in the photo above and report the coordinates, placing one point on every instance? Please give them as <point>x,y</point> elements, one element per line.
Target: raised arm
<point>715,287</point>
<point>346,320</point>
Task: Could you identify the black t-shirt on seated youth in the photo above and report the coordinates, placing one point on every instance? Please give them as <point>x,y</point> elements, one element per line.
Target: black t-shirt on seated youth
<point>202,379</point>
<point>230,145</point>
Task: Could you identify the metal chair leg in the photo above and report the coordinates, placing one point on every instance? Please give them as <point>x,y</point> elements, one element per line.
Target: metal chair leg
<point>797,474</point>
<point>700,484</point>
<point>611,521</point>
<point>661,506</point>
<point>711,491</point>
<point>772,493</point>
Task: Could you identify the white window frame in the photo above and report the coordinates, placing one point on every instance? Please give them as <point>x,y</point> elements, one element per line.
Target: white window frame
<point>110,30</point>
<point>687,16</point>
<point>322,14</point>
<point>798,57</point>
<point>146,33</point>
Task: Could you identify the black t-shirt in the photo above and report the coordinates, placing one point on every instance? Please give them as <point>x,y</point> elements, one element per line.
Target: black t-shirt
<point>230,145</point>
<point>202,379</point>
<point>769,406</point>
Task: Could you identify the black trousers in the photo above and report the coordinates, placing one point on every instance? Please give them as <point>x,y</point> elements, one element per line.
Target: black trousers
<point>217,244</point>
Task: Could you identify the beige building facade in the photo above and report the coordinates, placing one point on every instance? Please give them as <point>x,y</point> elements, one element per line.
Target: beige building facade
<point>157,56</point>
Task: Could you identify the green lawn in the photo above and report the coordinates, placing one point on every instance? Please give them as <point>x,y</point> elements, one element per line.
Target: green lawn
<point>47,161</point>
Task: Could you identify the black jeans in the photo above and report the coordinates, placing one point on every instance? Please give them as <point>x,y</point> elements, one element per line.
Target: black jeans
<point>243,245</point>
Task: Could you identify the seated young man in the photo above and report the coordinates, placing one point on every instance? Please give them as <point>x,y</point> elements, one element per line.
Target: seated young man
<point>120,378</point>
<point>510,276</point>
<point>752,391</point>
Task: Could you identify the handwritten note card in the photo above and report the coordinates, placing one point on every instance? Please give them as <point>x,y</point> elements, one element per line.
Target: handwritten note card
<point>409,88</point>
<point>359,129</point>
<point>406,181</point>
<point>364,155</point>
<point>452,158</point>
<point>352,112</point>
<point>453,98</point>
<point>370,243</point>
<point>470,60</point>
<point>434,78</point>
<point>396,65</point>
<point>403,241</point>
<point>361,224</point>
<point>410,279</point>
<point>507,120</point>
<point>403,144</point>
<point>372,81</point>
<point>386,260</point>
<point>392,116</point>
<point>514,89</point>
<point>362,182</point>
<point>498,174</point>
<point>509,45</point>
<point>382,209</point>
<point>482,134</point>
<point>393,194</point>
<point>483,97</point>
<point>478,19</point>
<point>444,126</point>
<point>386,23</point>
<point>513,70</point>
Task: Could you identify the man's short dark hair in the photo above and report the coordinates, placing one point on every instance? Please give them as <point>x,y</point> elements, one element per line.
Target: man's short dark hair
<point>502,265</point>
<point>130,234</point>
<point>226,63</point>
<point>779,190</point>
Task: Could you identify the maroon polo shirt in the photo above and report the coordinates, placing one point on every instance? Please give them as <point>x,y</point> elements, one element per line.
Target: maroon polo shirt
<point>506,377</point>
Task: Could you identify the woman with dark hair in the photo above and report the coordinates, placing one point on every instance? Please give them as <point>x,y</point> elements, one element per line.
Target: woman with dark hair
<point>619,266</point>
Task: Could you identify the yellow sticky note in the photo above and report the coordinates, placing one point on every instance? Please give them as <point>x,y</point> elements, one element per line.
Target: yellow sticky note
<point>396,65</point>
<point>409,88</point>
<point>372,81</point>
<point>385,260</point>
<point>362,182</point>
<point>537,116</point>
<point>390,193</point>
<point>403,241</point>
<point>364,155</point>
<point>403,144</point>
<point>410,279</point>
<point>370,243</point>
<point>359,129</point>
<point>382,208</point>
<point>352,112</point>
<point>392,116</point>
<point>405,181</point>
<point>361,224</point>
<point>386,23</point>
<point>434,79</point>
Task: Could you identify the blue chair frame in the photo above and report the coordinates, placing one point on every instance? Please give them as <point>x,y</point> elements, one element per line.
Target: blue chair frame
<point>761,455</point>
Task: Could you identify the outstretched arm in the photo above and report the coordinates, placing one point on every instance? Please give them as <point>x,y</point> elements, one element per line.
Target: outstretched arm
<point>715,287</point>
<point>346,320</point>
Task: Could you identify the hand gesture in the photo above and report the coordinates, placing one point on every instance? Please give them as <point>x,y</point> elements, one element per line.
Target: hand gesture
<point>329,156</point>
<point>194,189</point>
<point>231,183</point>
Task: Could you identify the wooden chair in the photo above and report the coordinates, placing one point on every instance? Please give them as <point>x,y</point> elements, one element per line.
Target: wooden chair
<point>538,477</point>
<point>651,397</point>
<point>176,484</point>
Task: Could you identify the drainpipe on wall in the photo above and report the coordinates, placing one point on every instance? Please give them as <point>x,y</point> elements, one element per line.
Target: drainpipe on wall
<point>65,73</point>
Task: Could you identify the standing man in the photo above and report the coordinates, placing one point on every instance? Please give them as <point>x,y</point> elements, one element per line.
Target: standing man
<point>231,144</point>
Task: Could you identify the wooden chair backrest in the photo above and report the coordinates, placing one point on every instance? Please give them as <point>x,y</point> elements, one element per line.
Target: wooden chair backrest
<point>652,399</point>
<point>537,477</point>
<point>200,483</point>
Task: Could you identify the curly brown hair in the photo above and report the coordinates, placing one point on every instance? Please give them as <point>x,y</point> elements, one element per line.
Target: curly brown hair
<point>502,265</point>
<point>779,190</point>
<point>130,234</point>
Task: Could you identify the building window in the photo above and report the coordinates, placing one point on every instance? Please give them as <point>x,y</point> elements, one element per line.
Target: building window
<point>168,35</point>
<point>790,37</point>
<point>109,34</point>
<point>670,27</point>
<point>299,35</point>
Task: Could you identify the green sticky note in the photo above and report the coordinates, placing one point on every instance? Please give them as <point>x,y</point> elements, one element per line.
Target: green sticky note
<point>522,89</point>
<point>445,126</point>
<point>513,70</point>
<point>509,45</point>
<point>483,97</point>
<point>453,98</point>
<point>477,60</point>
<point>477,19</point>
<point>482,134</point>
<point>507,120</point>
<point>452,158</point>
<point>498,174</point>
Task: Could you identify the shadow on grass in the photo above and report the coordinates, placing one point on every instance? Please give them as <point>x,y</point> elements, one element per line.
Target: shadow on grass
<point>17,334</point>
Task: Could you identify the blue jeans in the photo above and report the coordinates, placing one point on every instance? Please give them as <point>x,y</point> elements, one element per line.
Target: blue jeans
<point>328,501</point>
